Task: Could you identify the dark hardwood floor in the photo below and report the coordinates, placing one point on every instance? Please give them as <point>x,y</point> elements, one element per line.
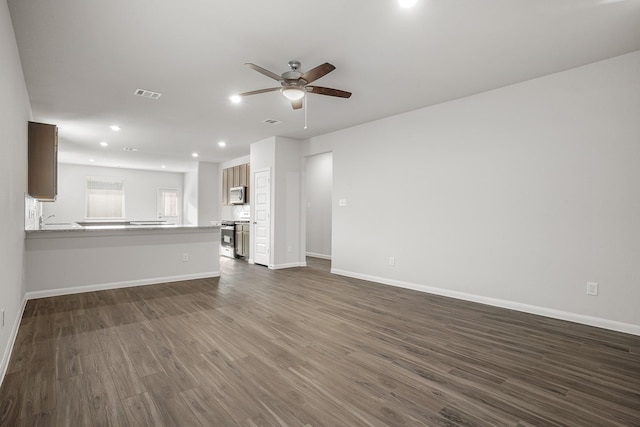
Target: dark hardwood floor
<point>302,347</point>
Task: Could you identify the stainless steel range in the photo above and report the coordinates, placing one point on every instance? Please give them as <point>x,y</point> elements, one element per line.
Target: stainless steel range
<point>227,239</point>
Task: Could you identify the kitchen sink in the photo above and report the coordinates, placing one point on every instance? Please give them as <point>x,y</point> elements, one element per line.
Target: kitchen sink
<point>60,225</point>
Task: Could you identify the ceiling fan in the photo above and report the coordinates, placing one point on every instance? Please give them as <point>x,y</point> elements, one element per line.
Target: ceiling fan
<point>295,84</point>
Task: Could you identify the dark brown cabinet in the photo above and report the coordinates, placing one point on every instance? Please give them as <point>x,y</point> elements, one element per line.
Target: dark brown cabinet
<point>242,240</point>
<point>43,161</point>
<point>225,187</point>
<point>233,177</point>
<point>236,176</point>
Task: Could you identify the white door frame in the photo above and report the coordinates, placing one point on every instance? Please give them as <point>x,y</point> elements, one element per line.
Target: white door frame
<point>253,235</point>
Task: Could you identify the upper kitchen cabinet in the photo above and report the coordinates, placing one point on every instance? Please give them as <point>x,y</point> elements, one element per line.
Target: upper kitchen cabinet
<point>43,161</point>
<point>245,178</point>
<point>225,186</point>
<point>236,176</point>
<point>233,177</point>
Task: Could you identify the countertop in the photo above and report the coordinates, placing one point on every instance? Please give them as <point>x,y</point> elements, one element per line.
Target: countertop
<point>59,229</point>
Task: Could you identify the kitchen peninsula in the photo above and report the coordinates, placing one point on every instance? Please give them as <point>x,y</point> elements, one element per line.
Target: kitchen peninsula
<point>71,258</point>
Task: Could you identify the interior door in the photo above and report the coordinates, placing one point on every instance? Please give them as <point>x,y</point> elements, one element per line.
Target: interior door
<point>169,205</point>
<point>262,219</point>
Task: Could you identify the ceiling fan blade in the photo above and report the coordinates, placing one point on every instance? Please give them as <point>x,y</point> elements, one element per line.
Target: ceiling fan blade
<point>328,91</point>
<point>316,73</point>
<point>263,71</point>
<point>297,104</point>
<point>255,92</point>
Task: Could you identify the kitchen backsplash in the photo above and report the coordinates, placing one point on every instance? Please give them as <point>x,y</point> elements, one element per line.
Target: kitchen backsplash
<point>32,212</point>
<point>237,212</point>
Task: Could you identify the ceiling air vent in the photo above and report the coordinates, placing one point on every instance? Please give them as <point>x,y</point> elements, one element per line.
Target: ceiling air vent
<point>130,149</point>
<point>147,94</point>
<point>271,121</point>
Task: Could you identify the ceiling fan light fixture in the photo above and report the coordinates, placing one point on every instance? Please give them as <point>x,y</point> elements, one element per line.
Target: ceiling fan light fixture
<point>407,3</point>
<point>293,93</point>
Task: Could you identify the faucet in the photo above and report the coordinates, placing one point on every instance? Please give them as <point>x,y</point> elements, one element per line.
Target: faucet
<point>42,221</point>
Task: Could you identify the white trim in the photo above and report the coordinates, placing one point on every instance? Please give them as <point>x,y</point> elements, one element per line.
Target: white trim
<point>4,365</point>
<point>288,265</point>
<point>315,255</point>
<point>116,285</point>
<point>613,325</point>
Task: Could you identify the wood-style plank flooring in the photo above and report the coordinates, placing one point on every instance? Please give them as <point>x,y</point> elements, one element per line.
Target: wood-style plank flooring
<point>302,347</point>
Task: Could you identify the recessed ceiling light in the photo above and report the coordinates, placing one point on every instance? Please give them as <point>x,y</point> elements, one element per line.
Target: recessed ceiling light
<point>407,3</point>
<point>194,154</point>
<point>222,144</point>
<point>115,128</point>
<point>92,160</point>
<point>104,143</point>
<point>235,99</point>
<point>163,166</point>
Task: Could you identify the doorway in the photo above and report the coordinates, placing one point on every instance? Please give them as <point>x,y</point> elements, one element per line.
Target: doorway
<point>169,205</point>
<point>319,190</point>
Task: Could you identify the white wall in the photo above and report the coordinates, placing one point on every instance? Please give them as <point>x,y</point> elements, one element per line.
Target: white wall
<point>60,263</point>
<point>190,198</point>
<point>208,193</point>
<point>141,191</point>
<point>282,156</point>
<point>285,203</point>
<point>318,186</point>
<point>15,112</point>
<point>201,194</point>
<point>515,197</point>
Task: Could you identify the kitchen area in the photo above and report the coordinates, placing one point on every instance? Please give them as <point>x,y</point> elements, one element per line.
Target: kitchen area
<point>235,226</point>
<point>67,252</point>
<point>91,227</point>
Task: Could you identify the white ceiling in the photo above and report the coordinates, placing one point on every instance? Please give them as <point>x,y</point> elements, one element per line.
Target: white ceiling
<point>83,60</point>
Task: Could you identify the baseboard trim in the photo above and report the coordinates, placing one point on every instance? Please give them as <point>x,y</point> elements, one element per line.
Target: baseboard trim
<point>511,305</point>
<point>116,285</point>
<point>12,340</point>
<point>315,255</point>
<point>288,265</point>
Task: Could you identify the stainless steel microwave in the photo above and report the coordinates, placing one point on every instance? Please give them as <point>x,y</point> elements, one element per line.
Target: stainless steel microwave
<point>237,195</point>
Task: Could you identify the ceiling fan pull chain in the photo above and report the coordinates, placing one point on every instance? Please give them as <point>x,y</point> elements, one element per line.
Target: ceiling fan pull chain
<point>306,103</point>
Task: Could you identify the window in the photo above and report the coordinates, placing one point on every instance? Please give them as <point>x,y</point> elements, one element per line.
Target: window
<point>105,197</point>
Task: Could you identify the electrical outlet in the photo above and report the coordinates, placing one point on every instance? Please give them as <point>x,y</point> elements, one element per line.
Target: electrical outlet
<point>592,288</point>
<point>392,261</point>
<point>289,249</point>
<point>185,257</point>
